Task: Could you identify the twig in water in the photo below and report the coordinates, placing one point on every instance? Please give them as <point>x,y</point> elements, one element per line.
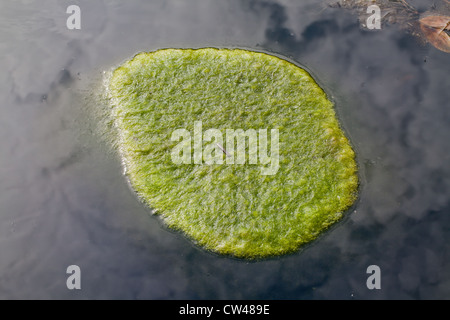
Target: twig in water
<point>224,151</point>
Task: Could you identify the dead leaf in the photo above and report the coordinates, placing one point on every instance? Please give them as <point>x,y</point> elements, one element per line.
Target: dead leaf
<point>435,21</point>
<point>435,30</point>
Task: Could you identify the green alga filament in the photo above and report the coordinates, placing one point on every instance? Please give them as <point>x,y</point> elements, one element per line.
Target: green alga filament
<point>239,150</point>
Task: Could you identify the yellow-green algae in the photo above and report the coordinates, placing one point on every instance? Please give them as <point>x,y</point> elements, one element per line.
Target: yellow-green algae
<point>233,209</point>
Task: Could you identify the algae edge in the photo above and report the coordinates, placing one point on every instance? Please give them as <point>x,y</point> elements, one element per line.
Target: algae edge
<point>233,211</point>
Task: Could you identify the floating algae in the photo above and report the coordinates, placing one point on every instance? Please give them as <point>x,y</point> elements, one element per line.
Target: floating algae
<point>186,102</point>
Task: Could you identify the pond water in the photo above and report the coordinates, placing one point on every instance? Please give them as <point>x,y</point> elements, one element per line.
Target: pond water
<point>64,200</point>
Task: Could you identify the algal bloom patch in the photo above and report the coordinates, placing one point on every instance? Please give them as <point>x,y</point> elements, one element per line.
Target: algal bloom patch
<point>239,150</point>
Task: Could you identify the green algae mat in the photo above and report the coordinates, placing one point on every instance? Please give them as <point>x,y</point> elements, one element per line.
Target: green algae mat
<point>241,151</point>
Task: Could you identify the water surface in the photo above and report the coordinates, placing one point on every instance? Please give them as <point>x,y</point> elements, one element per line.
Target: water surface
<point>64,200</point>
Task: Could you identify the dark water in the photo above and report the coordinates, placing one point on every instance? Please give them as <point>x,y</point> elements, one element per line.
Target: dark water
<point>64,200</point>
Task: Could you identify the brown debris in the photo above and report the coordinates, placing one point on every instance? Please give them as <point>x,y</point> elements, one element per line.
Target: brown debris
<point>434,29</point>
<point>433,26</point>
